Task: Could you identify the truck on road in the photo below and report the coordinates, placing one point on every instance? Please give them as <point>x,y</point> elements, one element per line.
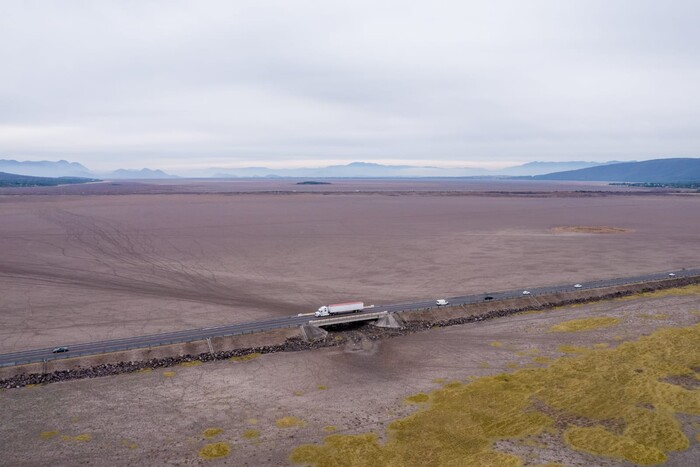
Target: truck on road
<point>338,308</point>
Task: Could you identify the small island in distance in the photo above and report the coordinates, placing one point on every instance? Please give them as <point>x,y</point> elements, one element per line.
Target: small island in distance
<point>311,182</point>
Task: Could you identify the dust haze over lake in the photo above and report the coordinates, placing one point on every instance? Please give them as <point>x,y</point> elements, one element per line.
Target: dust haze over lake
<point>131,258</point>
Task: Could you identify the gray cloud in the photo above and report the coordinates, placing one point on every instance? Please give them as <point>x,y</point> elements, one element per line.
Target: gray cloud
<point>197,83</point>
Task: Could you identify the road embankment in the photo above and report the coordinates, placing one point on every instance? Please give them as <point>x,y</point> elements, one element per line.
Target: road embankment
<point>290,339</point>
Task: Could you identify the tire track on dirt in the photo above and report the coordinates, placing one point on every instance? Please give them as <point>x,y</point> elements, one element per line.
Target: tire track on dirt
<point>122,259</point>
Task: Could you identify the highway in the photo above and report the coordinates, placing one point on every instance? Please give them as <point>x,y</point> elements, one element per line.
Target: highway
<point>190,335</point>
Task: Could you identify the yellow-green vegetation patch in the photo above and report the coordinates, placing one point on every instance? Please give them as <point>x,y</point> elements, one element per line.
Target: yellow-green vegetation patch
<point>542,360</point>
<point>246,357</point>
<point>439,380</point>
<point>693,289</point>
<point>571,349</point>
<point>30,386</point>
<point>288,422</point>
<point>512,365</point>
<point>321,387</point>
<point>419,398</point>
<point>329,428</point>
<point>251,434</point>
<point>168,374</point>
<point>528,352</point>
<point>496,344</point>
<point>144,370</point>
<point>129,444</point>
<point>192,363</point>
<point>215,451</point>
<point>252,421</point>
<point>48,434</point>
<point>79,438</point>
<point>584,324</point>
<point>601,345</point>
<point>211,432</point>
<point>585,393</point>
<point>484,365</point>
<point>298,393</point>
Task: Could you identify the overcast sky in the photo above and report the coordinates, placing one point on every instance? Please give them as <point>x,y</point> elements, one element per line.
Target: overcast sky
<point>177,84</point>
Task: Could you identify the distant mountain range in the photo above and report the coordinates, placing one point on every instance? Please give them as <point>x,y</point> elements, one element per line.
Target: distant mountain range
<point>656,170</point>
<point>73,169</point>
<point>45,168</point>
<point>14,180</point>
<point>679,170</point>
<point>371,170</point>
<point>64,168</point>
<point>142,174</point>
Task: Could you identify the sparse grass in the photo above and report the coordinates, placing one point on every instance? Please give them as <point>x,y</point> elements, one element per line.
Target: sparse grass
<point>288,422</point>
<point>48,434</point>
<point>215,451</point>
<point>79,438</point>
<point>571,349</point>
<point>496,344</point>
<point>321,387</point>
<point>129,444</point>
<point>622,384</point>
<point>251,434</point>
<point>329,428</point>
<point>693,289</point>
<point>191,363</point>
<point>419,398</point>
<point>439,380</point>
<point>212,432</point>
<point>542,360</point>
<point>246,357</point>
<point>252,421</point>
<point>584,324</point>
<point>168,374</point>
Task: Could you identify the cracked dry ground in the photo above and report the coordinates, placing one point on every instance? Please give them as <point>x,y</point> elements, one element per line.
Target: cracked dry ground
<point>272,409</point>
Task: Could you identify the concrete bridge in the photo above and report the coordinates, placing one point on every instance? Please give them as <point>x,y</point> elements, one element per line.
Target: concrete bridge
<point>348,318</point>
<point>313,330</point>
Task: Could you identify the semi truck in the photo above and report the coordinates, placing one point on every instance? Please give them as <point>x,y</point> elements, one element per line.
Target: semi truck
<point>338,308</point>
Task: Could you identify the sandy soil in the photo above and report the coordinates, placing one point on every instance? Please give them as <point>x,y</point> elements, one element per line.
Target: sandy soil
<point>160,417</point>
<point>81,268</point>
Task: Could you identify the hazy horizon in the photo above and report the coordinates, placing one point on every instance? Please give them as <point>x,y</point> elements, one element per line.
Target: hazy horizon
<point>184,85</point>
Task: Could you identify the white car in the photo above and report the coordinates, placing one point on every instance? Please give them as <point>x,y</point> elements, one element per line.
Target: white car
<point>526,292</point>
<point>672,274</point>
<point>441,302</point>
<point>577,286</point>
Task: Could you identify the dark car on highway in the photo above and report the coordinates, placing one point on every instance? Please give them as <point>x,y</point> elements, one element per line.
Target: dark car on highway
<point>60,350</point>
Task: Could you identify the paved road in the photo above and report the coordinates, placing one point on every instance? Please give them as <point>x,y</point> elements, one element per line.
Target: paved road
<point>92,348</point>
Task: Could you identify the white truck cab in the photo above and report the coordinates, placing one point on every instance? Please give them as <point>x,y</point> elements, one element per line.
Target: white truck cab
<point>441,302</point>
